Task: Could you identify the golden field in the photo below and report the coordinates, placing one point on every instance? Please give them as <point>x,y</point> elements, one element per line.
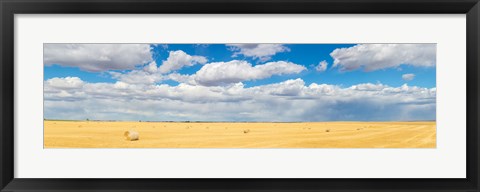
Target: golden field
<point>98,134</point>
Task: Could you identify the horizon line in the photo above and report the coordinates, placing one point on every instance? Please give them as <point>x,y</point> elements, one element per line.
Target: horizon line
<point>191,121</point>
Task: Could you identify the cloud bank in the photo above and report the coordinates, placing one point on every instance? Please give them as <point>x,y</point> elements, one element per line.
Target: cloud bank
<point>290,100</point>
<point>97,57</point>
<point>371,57</point>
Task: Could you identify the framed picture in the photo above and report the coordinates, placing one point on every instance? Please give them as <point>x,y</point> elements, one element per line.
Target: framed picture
<point>241,95</point>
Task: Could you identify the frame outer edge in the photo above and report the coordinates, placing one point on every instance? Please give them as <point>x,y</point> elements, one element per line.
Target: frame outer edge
<point>473,92</point>
<point>2,155</point>
<point>477,57</point>
<point>476,50</point>
<point>6,94</point>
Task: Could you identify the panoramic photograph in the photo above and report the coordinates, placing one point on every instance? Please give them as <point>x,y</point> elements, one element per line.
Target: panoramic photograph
<point>239,95</point>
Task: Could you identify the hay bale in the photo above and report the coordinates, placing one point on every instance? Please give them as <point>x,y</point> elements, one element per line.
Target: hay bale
<point>328,130</point>
<point>246,131</point>
<point>131,135</point>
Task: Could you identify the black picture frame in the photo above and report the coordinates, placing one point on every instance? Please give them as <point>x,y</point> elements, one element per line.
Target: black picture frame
<point>11,7</point>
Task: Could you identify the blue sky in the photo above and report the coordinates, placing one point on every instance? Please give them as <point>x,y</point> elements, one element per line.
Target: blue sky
<point>308,55</point>
<point>355,82</point>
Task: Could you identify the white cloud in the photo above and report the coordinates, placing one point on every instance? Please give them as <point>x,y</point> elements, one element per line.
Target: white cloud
<point>151,67</point>
<point>67,88</point>
<point>64,83</point>
<point>220,73</point>
<point>178,59</point>
<point>187,79</point>
<point>263,52</point>
<point>292,87</point>
<point>368,87</point>
<point>138,77</point>
<point>370,57</point>
<point>322,66</point>
<point>408,76</point>
<point>97,57</point>
<point>148,75</point>
<point>290,100</point>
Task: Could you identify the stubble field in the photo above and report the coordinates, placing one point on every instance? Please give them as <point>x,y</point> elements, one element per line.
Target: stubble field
<point>98,134</point>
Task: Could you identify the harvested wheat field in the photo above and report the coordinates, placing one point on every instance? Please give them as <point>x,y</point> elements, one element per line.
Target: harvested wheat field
<point>98,134</point>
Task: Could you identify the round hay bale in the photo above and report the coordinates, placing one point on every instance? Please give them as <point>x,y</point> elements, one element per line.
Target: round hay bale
<point>131,135</point>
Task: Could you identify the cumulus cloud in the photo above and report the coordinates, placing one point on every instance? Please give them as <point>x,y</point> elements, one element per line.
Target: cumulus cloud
<point>263,52</point>
<point>64,89</point>
<point>290,100</point>
<point>322,66</point>
<point>138,77</point>
<point>64,83</point>
<point>151,73</point>
<point>408,76</point>
<point>371,57</point>
<point>151,67</point>
<point>221,73</point>
<point>148,75</point>
<point>178,59</point>
<point>292,87</point>
<point>181,78</point>
<point>97,57</point>
<point>211,74</point>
